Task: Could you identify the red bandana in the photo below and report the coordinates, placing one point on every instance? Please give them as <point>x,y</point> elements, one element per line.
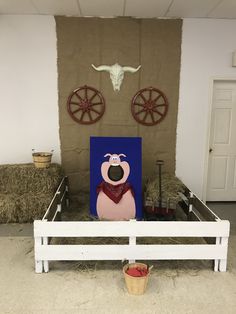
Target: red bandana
<point>115,192</point>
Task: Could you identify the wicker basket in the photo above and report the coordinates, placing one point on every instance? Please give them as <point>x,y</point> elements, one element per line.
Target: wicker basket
<point>135,285</point>
<point>42,159</point>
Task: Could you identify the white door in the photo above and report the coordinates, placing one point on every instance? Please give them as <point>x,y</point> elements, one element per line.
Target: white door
<point>221,183</point>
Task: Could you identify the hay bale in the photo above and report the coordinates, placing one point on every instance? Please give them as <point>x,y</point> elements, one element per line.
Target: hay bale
<point>23,178</point>
<point>26,191</point>
<point>23,208</point>
<point>32,206</point>
<point>8,208</point>
<point>171,187</point>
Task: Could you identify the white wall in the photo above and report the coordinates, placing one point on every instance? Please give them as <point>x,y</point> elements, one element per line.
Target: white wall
<point>207,46</point>
<point>28,88</point>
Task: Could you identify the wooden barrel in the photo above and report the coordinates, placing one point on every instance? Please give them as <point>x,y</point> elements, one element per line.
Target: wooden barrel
<point>42,159</point>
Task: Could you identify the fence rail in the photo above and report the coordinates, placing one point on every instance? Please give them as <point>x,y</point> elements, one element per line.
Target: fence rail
<point>45,252</point>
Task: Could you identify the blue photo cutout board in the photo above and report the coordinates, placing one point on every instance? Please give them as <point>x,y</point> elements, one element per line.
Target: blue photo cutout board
<point>131,147</point>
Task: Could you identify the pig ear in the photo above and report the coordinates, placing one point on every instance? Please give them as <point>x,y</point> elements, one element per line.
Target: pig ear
<point>122,155</point>
<point>107,155</point>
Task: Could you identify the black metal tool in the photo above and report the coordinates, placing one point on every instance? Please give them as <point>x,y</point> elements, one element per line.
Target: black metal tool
<point>160,163</point>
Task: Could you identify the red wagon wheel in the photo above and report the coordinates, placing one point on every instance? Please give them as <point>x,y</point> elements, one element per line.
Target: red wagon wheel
<point>86,105</point>
<point>149,106</point>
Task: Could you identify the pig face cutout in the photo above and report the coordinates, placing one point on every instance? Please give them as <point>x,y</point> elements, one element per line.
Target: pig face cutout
<point>115,171</point>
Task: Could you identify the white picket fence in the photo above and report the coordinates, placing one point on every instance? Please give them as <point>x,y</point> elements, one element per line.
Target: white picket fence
<point>45,252</point>
<point>202,223</point>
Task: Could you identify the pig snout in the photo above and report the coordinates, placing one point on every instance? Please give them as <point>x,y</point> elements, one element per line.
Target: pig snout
<point>114,160</point>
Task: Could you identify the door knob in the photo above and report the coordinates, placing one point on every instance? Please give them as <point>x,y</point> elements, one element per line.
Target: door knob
<point>210,150</point>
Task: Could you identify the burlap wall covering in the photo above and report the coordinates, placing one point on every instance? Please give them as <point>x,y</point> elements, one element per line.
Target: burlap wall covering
<point>156,45</point>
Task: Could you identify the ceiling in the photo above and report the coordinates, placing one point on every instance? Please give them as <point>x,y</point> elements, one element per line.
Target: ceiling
<point>135,8</point>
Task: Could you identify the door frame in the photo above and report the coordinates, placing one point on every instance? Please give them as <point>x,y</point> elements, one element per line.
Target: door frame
<point>207,144</point>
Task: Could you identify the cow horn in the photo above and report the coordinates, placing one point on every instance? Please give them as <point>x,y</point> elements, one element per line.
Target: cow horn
<point>108,155</point>
<point>122,155</point>
<point>130,69</point>
<point>102,68</point>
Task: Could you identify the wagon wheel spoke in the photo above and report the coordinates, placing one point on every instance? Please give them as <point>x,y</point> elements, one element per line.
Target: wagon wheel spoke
<point>145,117</point>
<point>150,95</point>
<point>86,93</point>
<point>75,103</point>
<point>81,99</point>
<point>90,117</point>
<point>157,97</point>
<point>75,111</point>
<point>95,104</point>
<point>91,98</point>
<point>94,110</point>
<point>159,105</point>
<point>152,116</point>
<point>160,113</point>
<point>140,105</point>
<point>140,111</point>
<point>82,116</point>
<point>144,99</point>
<point>85,104</point>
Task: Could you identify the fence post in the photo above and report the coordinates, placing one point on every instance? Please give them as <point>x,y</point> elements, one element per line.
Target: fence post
<point>132,241</point>
<point>38,262</point>
<point>223,262</point>
<point>216,261</point>
<point>190,206</point>
<point>45,263</point>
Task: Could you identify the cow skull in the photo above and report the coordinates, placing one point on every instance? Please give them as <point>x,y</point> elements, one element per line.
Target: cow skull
<point>116,73</point>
